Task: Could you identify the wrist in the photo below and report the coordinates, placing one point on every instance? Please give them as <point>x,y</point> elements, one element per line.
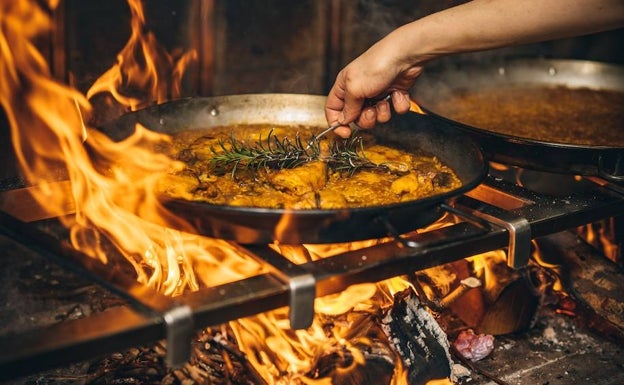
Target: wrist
<point>413,45</point>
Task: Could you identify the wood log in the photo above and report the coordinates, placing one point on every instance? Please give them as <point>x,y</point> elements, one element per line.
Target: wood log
<point>595,283</point>
<point>378,368</point>
<point>419,340</point>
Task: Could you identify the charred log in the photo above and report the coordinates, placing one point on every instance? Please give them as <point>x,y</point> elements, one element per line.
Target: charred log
<point>419,340</point>
<point>593,282</point>
<point>378,368</point>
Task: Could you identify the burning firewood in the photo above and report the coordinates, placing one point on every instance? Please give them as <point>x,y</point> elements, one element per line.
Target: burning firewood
<point>592,285</point>
<point>340,366</point>
<point>418,339</point>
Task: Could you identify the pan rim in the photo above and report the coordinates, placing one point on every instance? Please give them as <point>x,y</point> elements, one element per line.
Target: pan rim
<point>603,160</point>
<point>520,139</point>
<point>249,224</point>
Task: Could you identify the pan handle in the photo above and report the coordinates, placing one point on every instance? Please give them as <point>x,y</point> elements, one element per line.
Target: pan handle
<point>392,231</point>
<point>611,169</point>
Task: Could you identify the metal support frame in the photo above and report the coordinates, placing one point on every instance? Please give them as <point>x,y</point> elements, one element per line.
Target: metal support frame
<point>300,281</point>
<point>179,324</point>
<point>519,230</point>
<point>151,316</point>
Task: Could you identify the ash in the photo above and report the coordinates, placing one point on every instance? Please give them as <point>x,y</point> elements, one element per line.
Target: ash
<point>556,351</point>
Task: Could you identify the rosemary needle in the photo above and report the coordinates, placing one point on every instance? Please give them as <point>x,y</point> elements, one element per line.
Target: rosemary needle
<point>274,153</point>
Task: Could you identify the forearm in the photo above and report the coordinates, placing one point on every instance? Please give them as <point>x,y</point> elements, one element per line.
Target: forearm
<point>394,63</point>
<point>488,24</point>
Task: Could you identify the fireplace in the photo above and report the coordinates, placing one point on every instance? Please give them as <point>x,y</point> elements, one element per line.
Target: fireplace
<point>70,318</point>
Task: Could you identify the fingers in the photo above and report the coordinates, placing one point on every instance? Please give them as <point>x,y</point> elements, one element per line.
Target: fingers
<point>334,105</point>
<point>378,113</point>
<point>381,112</point>
<point>368,117</point>
<point>341,106</point>
<point>401,101</point>
<point>345,107</point>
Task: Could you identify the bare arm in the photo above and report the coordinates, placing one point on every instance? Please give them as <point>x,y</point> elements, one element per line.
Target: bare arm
<point>394,63</point>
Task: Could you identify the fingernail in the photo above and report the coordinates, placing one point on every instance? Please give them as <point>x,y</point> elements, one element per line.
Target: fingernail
<point>369,114</point>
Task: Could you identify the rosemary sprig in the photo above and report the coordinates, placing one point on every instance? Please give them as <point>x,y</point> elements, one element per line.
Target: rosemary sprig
<point>348,156</point>
<point>271,153</point>
<point>274,153</point>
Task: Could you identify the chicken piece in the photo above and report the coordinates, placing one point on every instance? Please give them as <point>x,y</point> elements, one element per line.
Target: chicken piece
<point>274,199</point>
<point>365,188</point>
<point>412,186</point>
<point>393,158</point>
<point>325,199</point>
<point>300,180</point>
<point>405,184</point>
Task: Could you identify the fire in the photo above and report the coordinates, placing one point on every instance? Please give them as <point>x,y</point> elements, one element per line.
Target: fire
<point>28,95</point>
<point>602,235</point>
<point>112,183</point>
<point>145,72</point>
<point>284,356</point>
<point>112,188</point>
<point>414,107</point>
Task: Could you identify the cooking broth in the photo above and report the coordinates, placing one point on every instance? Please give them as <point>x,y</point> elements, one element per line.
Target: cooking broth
<point>388,175</point>
<point>576,116</point>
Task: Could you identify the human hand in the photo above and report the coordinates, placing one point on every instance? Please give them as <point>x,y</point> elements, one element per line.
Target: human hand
<point>375,73</point>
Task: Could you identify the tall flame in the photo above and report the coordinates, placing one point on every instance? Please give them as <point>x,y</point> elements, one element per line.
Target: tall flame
<point>112,183</point>
<point>145,72</point>
<point>112,186</point>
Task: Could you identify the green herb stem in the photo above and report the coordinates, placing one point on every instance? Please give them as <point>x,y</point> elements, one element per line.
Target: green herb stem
<point>274,153</point>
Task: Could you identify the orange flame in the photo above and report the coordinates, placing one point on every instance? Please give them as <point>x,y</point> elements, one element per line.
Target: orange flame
<point>283,356</point>
<point>414,107</point>
<point>112,186</point>
<point>145,72</point>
